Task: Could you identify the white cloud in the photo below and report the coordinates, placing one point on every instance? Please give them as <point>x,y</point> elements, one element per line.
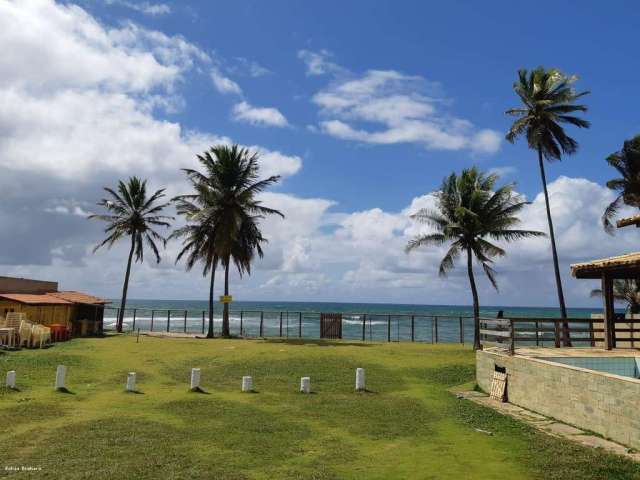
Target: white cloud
<point>223,83</point>
<point>153,9</point>
<point>261,116</point>
<point>79,52</point>
<point>95,115</point>
<point>318,63</point>
<point>388,107</point>
<point>249,67</point>
<point>503,171</point>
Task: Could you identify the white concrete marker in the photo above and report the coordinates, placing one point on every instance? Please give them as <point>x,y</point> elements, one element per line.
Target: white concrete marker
<point>195,379</point>
<point>11,379</point>
<point>131,382</point>
<point>360,379</point>
<point>61,372</point>
<point>247,384</point>
<point>305,385</point>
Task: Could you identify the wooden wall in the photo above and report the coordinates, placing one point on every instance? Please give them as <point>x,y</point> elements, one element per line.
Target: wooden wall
<point>43,314</point>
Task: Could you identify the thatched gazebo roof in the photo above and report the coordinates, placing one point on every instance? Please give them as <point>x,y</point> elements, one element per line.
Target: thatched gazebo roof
<point>620,266</point>
<point>633,220</point>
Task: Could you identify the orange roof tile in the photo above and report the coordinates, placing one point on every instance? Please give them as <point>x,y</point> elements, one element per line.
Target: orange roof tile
<point>33,299</point>
<point>79,297</point>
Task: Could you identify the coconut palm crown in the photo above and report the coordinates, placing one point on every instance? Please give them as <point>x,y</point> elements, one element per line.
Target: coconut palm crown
<point>131,213</point>
<point>469,216</point>
<point>627,185</point>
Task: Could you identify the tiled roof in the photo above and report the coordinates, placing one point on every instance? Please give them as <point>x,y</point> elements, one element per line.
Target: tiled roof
<point>79,297</point>
<point>32,299</point>
<point>54,298</point>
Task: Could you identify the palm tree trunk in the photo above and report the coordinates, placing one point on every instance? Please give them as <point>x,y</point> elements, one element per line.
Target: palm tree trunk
<point>225,311</point>
<point>125,287</point>
<point>476,305</point>
<point>213,277</point>
<point>556,267</point>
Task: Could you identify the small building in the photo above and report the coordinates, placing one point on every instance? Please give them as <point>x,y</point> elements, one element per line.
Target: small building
<point>43,303</point>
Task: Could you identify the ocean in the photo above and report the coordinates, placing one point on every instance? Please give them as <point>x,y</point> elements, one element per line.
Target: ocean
<point>376,321</point>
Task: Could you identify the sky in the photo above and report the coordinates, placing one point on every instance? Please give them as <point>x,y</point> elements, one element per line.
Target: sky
<point>361,107</point>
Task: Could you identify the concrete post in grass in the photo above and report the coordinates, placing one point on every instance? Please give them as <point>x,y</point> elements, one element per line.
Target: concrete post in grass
<point>195,379</point>
<point>131,382</point>
<point>61,373</point>
<point>360,379</point>
<point>305,385</point>
<point>247,384</point>
<point>11,379</point>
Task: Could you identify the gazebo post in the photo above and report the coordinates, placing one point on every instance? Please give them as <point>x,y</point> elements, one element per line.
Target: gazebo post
<point>609,314</point>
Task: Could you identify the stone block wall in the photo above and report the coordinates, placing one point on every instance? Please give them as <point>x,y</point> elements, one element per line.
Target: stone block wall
<point>603,403</point>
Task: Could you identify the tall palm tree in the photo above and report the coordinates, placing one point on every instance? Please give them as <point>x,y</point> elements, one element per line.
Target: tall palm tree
<point>627,186</point>
<point>199,236</point>
<point>627,291</point>
<point>469,213</point>
<point>231,179</point>
<point>548,100</point>
<point>131,213</point>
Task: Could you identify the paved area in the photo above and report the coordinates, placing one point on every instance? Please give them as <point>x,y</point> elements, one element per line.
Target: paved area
<point>549,425</point>
<point>577,352</point>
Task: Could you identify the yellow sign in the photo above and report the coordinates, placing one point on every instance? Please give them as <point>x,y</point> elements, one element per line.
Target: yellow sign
<point>226,299</point>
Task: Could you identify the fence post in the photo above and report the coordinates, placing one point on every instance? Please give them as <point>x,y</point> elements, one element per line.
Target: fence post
<point>413,328</point>
<point>556,332</point>
<point>388,328</point>
<point>432,327</point>
<point>133,326</point>
<point>261,323</point>
<point>537,334</point>
<point>592,337</point>
<point>364,327</point>
<point>153,312</point>
<point>436,319</point>
<point>280,324</point>
<point>241,318</point>
<point>300,325</point>
<point>203,322</point>
<point>168,319</point>
<point>512,334</point>
<point>461,330</point>
<point>185,321</point>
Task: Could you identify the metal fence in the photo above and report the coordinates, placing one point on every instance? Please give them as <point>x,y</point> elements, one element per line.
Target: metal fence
<point>390,327</point>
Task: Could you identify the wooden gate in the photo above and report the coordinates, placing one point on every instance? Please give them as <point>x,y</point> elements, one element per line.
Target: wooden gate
<point>330,325</point>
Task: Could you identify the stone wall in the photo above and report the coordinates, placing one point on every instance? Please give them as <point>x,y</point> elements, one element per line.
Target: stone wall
<point>603,403</point>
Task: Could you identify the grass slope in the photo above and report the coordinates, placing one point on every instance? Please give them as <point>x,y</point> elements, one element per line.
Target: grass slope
<point>407,427</point>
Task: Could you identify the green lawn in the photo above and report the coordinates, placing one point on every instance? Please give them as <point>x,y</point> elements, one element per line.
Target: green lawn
<point>406,427</point>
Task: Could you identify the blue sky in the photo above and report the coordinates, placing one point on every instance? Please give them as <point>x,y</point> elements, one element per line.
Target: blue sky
<point>362,107</point>
<point>471,52</point>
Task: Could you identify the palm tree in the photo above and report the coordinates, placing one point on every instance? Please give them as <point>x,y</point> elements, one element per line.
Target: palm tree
<point>468,213</point>
<point>231,180</point>
<point>199,236</point>
<point>548,100</point>
<point>627,186</point>
<point>132,214</point>
<point>627,291</point>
